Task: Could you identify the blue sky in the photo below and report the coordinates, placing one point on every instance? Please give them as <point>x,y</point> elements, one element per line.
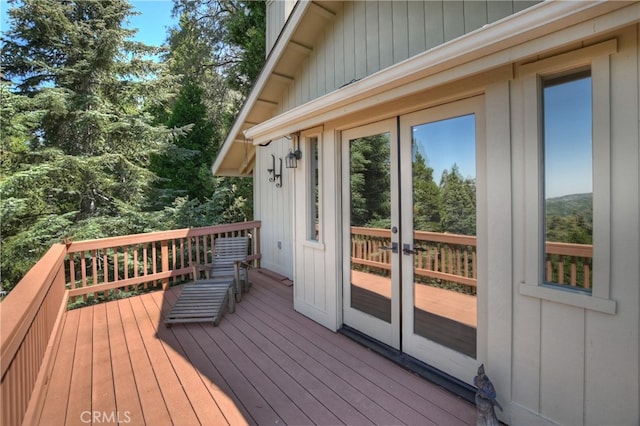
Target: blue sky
<point>152,24</point>
<point>567,139</point>
<point>446,142</point>
<point>568,164</point>
<point>154,21</point>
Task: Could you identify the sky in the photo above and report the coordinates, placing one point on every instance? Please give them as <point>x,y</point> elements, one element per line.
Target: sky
<point>567,139</point>
<point>154,21</point>
<point>152,24</point>
<point>446,142</point>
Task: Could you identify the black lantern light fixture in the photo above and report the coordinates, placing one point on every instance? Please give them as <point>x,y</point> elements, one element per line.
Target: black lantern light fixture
<point>293,156</point>
<point>273,176</point>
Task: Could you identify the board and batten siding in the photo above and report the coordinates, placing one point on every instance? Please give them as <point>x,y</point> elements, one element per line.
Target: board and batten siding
<point>366,37</point>
<point>318,263</point>
<point>274,207</point>
<point>551,361</point>
<point>573,364</point>
<point>362,38</point>
<point>277,13</point>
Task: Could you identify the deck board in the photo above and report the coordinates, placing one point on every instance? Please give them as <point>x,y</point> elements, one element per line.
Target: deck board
<point>103,397</point>
<point>368,379</point>
<point>264,364</point>
<point>196,390</point>
<point>80,390</point>
<point>54,407</point>
<point>154,410</point>
<point>174,396</point>
<point>124,382</point>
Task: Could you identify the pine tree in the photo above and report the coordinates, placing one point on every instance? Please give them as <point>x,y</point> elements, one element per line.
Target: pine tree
<point>185,167</point>
<point>370,182</point>
<point>458,213</point>
<point>79,169</point>
<point>427,201</point>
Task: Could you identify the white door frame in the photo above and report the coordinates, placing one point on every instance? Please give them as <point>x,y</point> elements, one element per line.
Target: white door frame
<point>445,359</point>
<point>388,333</point>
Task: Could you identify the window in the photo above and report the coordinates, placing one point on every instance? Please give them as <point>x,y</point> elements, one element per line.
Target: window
<point>567,166</point>
<point>567,176</point>
<point>313,190</point>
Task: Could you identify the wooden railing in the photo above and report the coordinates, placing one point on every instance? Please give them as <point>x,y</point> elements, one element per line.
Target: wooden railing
<point>452,257</point>
<point>134,262</point>
<point>576,257</point>
<point>32,314</point>
<point>446,257</point>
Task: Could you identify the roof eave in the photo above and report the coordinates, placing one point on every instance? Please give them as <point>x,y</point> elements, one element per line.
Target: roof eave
<point>236,134</point>
<point>428,68</point>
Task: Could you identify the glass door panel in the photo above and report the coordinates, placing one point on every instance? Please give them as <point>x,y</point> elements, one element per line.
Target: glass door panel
<point>371,286</point>
<point>439,234</point>
<point>444,205</point>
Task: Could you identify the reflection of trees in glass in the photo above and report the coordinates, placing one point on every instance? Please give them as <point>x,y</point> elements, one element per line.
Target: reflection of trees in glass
<point>427,201</point>
<point>569,219</point>
<point>450,207</point>
<point>370,181</point>
<point>458,214</point>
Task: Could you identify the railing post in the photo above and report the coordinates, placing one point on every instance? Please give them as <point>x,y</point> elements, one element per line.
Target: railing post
<point>256,245</point>
<point>165,262</point>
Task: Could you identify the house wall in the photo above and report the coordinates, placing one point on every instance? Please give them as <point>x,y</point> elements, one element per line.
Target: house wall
<point>277,13</point>
<point>274,207</point>
<point>573,364</point>
<point>363,38</point>
<point>366,36</point>
<point>553,360</point>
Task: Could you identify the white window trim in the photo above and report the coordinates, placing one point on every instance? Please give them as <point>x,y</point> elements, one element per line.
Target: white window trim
<point>307,136</point>
<point>597,58</point>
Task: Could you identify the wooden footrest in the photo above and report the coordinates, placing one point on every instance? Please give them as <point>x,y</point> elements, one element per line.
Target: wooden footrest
<point>203,301</point>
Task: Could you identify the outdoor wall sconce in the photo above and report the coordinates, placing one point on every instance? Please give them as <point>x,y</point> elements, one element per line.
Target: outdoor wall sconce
<point>273,176</point>
<point>294,156</point>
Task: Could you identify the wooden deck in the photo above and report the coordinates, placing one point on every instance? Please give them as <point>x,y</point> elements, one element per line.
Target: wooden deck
<point>264,364</point>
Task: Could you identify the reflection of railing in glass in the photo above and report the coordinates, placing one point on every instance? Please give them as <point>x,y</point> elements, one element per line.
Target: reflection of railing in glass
<point>568,263</point>
<point>450,259</point>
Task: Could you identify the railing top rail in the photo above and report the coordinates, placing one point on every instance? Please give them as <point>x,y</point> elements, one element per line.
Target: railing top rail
<point>371,232</point>
<point>467,240</point>
<point>439,237</point>
<point>569,249</point>
<point>566,249</point>
<point>75,247</point>
<point>20,307</point>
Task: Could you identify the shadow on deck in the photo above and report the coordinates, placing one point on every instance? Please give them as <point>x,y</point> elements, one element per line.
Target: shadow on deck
<point>264,364</point>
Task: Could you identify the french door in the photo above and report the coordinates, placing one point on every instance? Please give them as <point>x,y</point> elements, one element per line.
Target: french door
<point>411,253</point>
<point>371,293</point>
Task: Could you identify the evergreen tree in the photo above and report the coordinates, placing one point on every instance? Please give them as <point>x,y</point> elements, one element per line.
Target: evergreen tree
<point>219,46</point>
<point>185,167</point>
<point>370,182</point>
<point>458,213</point>
<point>427,202</point>
<point>79,169</point>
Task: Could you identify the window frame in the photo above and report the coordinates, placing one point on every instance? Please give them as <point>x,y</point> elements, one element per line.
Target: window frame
<point>596,57</point>
<point>307,140</point>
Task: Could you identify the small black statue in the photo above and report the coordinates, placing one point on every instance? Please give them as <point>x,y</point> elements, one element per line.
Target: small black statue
<point>485,400</point>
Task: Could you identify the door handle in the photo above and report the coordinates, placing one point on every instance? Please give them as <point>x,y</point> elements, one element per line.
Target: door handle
<point>406,249</point>
<point>393,248</point>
